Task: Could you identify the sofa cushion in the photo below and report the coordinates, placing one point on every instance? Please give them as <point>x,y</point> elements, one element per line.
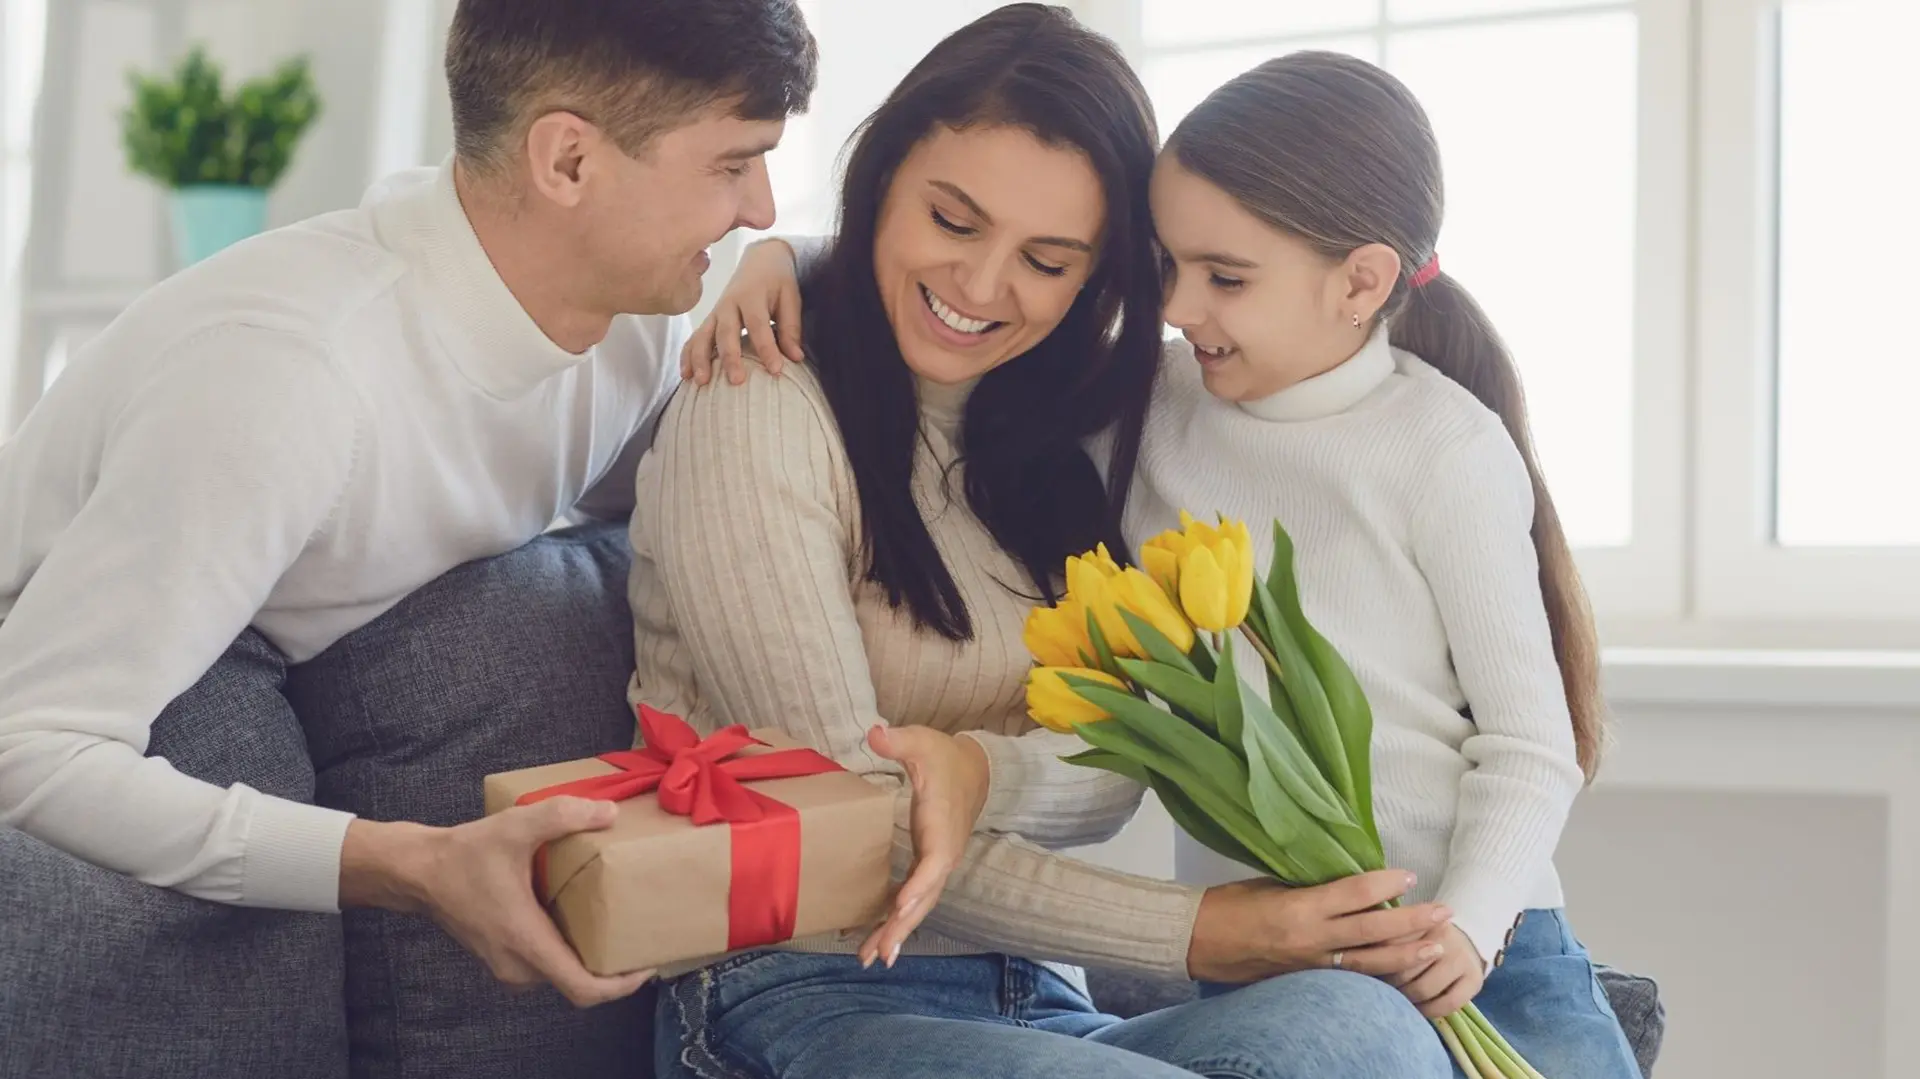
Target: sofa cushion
<point>503,663</point>
<point>106,977</point>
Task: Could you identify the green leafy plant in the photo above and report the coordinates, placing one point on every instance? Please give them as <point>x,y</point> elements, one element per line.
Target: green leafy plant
<point>183,129</point>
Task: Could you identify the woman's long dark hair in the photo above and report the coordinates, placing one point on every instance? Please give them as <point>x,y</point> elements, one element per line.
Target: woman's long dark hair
<point>1338,152</point>
<point>1028,480</point>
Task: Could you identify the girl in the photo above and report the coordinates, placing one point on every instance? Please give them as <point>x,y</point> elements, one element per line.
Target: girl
<point>1338,380</point>
<point>1333,377</point>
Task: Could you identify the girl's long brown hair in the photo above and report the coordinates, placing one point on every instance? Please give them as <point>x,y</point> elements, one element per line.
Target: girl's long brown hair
<point>1334,150</point>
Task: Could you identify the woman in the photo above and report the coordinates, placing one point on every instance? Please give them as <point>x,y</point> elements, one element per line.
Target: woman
<point>850,551</point>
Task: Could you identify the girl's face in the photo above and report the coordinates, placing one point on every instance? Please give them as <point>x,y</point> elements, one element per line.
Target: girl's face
<point>1261,307</point>
<point>983,243</point>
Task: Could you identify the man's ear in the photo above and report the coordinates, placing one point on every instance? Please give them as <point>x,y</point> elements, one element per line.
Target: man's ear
<point>558,144</point>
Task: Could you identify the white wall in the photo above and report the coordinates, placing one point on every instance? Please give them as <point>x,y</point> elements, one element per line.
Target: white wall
<point>99,235</point>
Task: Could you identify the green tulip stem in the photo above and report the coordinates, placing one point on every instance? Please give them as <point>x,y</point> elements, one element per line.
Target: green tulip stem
<point>1476,1047</point>
<point>1260,646</point>
<point>1473,1015</point>
<point>1460,1055</point>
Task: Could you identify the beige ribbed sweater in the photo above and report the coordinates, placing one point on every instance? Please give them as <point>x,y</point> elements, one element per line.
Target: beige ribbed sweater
<point>749,607</point>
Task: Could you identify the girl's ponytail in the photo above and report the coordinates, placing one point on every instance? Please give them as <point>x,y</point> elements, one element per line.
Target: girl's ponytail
<point>1441,323</point>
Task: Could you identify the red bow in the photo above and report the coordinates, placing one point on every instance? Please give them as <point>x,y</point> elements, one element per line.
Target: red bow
<point>702,779</point>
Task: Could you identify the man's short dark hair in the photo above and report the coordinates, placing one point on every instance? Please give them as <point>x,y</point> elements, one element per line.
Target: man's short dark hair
<point>634,68</point>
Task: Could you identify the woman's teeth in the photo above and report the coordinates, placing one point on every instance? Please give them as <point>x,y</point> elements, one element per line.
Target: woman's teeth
<point>1220,353</point>
<point>952,318</point>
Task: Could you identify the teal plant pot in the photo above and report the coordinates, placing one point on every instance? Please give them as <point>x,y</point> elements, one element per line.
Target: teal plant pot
<point>208,217</point>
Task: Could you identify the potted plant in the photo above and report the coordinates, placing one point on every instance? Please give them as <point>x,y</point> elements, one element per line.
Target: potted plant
<point>218,155</point>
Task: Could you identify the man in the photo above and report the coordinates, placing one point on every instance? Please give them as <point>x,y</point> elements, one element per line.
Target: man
<point>295,434</point>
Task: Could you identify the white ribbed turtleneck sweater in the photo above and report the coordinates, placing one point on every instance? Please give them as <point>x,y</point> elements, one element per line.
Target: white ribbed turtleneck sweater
<point>1411,511</point>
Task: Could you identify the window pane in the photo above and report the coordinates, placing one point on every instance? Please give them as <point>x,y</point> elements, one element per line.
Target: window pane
<point>20,70</point>
<point>14,180</point>
<point>1849,378</point>
<point>1179,82</point>
<point>1414,10</point>
<point>798,170</point>
<point>1190,22</point>
<point>1536,122</point>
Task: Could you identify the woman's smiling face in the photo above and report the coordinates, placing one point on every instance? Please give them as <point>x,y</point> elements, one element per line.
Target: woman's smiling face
<point>984,240</point>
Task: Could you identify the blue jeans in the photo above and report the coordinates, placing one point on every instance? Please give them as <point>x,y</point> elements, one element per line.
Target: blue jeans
<point>1545,1000</point>
<point>784,1015</point>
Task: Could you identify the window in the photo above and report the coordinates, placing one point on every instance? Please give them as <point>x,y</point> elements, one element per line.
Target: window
<point>22,35</point>
<point>1692,219</point>
<point>1560,202</point>
<point>1806,415</point>
<point>1848,390</point>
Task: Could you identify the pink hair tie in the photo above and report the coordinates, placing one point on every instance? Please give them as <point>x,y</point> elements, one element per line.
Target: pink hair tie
<point>1425,273</point>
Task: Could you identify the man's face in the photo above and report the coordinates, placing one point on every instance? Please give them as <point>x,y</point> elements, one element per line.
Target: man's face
<point>650,224</point>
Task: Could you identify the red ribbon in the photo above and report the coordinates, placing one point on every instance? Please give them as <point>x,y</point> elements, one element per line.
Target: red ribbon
<point>702,779</point>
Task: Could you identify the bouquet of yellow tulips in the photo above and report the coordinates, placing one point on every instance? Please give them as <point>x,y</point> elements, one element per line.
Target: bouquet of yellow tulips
<point>1137,662</point>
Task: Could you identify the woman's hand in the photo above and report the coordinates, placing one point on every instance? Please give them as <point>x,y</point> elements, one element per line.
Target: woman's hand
<point>763,297</point>
<point>1257,929</point>
<point>1450,981</point>
<point>949,777</point>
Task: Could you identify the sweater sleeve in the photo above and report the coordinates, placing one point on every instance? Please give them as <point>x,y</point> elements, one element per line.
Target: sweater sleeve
<point>209,486</point>
<point>1473,542</point>
<point>743,570</point>
<point>1033,793</point>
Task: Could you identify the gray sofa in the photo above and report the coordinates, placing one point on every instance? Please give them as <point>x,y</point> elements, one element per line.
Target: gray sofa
<point>503,663</point>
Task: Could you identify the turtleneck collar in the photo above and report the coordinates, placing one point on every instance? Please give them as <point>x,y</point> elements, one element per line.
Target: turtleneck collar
<point>493,341</point>
<point>943,404</point>
<point>1332,392</point>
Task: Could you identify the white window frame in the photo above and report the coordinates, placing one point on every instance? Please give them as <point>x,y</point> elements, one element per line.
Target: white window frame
<point>1742,572</point>
<point>1645,579</point>
<point>12,233</point>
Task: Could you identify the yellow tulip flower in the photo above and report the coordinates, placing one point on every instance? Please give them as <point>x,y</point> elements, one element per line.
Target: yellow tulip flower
<point>1203,590</point>
<point>1136,592</point>
<point>1054,705</point>
<point>1234,540</point>
<point>1057,635</point>
<point>1087,586</point>
<point>1221,601</point>
<point>1162,561</point>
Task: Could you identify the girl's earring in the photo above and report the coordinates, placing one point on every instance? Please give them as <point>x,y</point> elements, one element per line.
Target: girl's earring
<point>1356,320</point>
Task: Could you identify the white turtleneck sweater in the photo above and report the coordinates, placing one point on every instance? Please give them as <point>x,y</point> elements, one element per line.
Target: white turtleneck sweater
<point>1410,510</point>
<point>292,435</point>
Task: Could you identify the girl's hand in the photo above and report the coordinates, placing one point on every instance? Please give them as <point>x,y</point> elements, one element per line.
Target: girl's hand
<point>1257,929</point>
<point>949,777</point>
<point>763,295</point>
<point>1449,982</point>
